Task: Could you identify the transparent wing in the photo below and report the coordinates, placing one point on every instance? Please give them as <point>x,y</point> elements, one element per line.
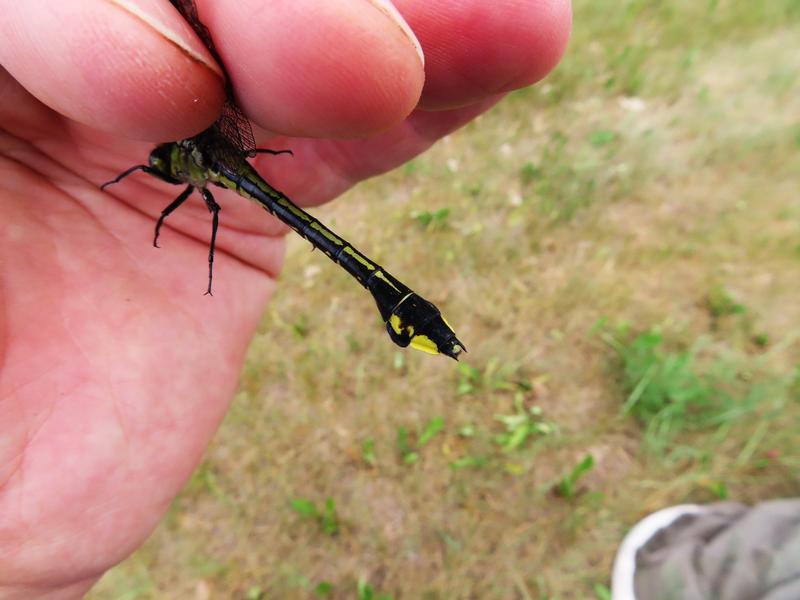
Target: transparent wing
<point>236,128</point>
<point>232,124</point>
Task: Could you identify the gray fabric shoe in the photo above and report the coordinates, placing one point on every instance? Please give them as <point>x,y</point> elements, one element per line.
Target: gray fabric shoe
<point>722,551</point>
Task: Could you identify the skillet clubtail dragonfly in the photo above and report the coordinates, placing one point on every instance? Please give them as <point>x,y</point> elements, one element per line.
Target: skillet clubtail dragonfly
<point>218,155</point>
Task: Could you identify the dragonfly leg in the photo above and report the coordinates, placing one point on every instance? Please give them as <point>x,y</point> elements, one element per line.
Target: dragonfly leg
<point>273,152</point>
<point>124,174</point>
<point>214,209</point>
<point>172,206</point>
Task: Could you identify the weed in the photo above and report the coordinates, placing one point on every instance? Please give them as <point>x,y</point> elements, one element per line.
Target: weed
<point>473,189</point>
<point>467,431</point>
<point>720,303</point>
<point>434,426</point>
<point>521,426</point>
<point>432,219</point>
<point>494,377</point>
<point>300,326</point>
<point>399,362</point>
<point>416,166</point>
<point>368,452</point>
<point>602,137</point>
<point>761,340</point>
<point>469,462</point>
<point>601,591</point>
<point>323,589</point>
<point>469,378</point>
<point>661,385</point>
<point>665,391</point>
<point>327,519</point>
<point>530,173</point>
<point>365,591</point>
<point>567,486</point>
<point>205,478</point>
<point>719,489</point>
<point>672,392</point>
<point>254,593</point>
<point>409,453</point>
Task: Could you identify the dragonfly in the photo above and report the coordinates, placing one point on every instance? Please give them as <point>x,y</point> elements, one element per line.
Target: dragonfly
<point>218,155</point>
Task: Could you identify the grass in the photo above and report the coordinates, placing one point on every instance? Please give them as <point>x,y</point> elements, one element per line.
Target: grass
<point>567,486</point>
<point>326,518</point>
<point>671,392</point>
<point>410,453</point>
<point>618,248</point>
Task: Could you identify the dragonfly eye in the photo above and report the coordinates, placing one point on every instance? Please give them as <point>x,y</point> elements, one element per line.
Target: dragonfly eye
<point>161,163</point>
<point>161,159</point>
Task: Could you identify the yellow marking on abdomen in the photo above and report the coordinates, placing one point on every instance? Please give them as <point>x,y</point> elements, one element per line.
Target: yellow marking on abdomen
<point>424,343</point>
<point>351,251</point>
<point>326,232</point>
<point>296,211</point>
<point>382,277</point>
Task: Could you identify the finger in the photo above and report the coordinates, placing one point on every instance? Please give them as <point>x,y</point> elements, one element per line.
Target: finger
<point>133,67</point>
<point>474,49</point>
<point>318,69</point>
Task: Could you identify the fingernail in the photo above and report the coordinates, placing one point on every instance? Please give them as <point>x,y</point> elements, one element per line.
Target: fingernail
<point>168,23</point>
<point>389,9</point>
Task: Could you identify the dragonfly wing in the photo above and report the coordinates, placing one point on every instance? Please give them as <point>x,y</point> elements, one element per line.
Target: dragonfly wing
<point>236,128</point>
<point>232,124</point>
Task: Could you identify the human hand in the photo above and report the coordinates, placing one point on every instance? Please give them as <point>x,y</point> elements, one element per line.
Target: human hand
<point>115,370</point>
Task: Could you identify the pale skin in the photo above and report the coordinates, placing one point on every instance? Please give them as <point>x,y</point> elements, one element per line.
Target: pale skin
<point>116,370</point>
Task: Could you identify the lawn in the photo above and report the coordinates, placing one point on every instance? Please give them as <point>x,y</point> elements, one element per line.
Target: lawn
<point>619,249</point>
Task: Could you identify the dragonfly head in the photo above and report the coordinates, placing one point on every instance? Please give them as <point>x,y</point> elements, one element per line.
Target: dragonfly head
<point>160,160</point>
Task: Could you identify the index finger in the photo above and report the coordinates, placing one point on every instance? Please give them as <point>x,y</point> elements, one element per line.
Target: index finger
<point>132,67</point>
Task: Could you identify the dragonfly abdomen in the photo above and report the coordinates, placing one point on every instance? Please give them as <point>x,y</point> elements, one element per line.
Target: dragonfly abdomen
<point>339,250</point>
<point>410,319</point>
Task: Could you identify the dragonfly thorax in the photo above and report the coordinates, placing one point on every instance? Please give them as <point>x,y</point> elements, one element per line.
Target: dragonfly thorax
<point>180,162</point>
